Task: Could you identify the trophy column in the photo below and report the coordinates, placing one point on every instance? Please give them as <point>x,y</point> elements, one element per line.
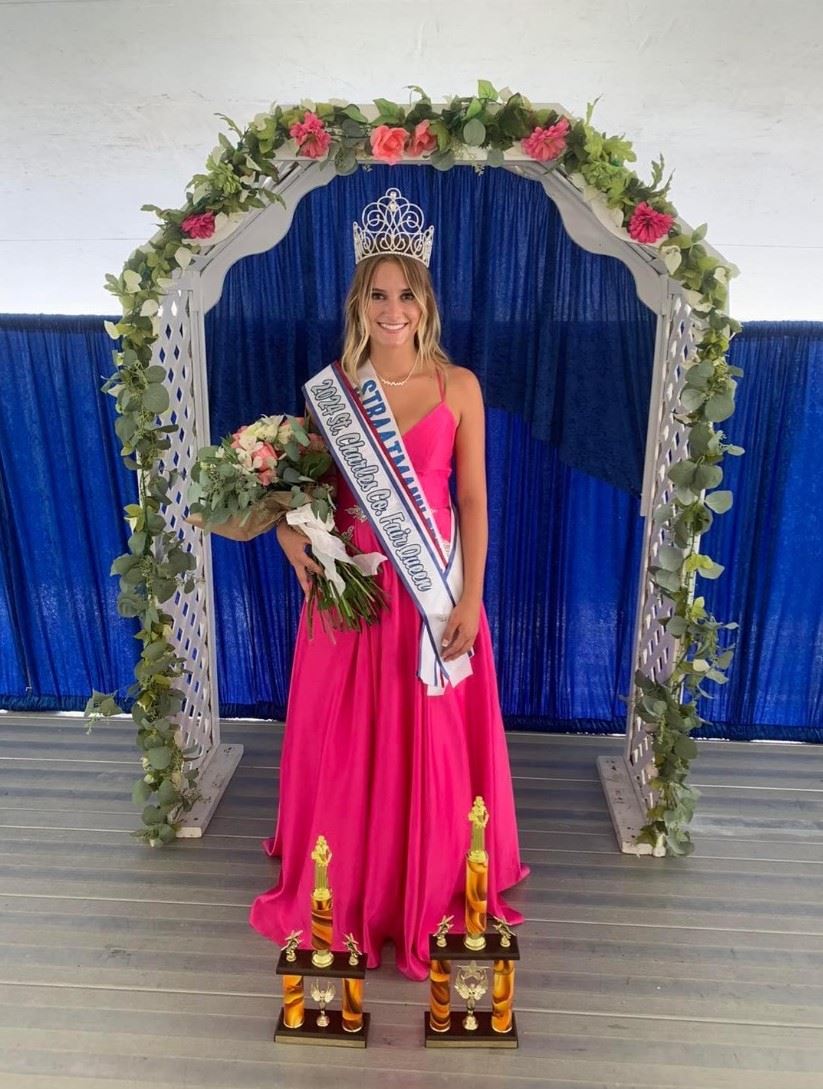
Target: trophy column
<point>503,996</point>
<point>440,1001</point>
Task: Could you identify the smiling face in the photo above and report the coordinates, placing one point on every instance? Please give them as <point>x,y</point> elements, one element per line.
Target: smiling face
<point>392,312</point>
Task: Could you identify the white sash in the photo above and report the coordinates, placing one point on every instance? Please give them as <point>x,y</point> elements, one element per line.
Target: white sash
<point>363,438</point>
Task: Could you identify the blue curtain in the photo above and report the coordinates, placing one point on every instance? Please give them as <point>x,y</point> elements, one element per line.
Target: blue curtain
<point>563,349</point>
<point>559,341</point>
<point>772,540</point>
<point>62,487</point>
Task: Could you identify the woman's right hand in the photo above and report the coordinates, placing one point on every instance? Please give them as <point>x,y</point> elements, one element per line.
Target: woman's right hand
<point>294,544</point>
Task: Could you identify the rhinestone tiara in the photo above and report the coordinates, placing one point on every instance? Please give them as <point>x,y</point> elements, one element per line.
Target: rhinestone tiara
<point>392,225</point>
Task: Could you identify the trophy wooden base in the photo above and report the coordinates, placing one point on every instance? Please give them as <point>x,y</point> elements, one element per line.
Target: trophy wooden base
<point>333,1035</point>
<point>338,969</point>
<point>455,949</point>
<point>458,1036</point>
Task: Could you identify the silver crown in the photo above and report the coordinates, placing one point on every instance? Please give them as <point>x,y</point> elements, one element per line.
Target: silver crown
<point>393,225</point>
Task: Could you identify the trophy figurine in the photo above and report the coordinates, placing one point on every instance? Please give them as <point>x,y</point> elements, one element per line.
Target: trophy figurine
<point>479,1028</point>
<point>322,993</point>
<point>471,984</point>
<point>348,1026</point>
<point>321,905</point>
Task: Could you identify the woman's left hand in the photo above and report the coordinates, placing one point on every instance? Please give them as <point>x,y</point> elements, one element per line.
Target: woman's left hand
<point>461,630</point>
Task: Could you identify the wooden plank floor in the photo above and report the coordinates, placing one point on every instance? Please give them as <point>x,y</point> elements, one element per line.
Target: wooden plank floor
<point>129,968</point>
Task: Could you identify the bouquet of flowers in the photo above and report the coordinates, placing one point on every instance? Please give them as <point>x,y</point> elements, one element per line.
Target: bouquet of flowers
<point>274,469</point>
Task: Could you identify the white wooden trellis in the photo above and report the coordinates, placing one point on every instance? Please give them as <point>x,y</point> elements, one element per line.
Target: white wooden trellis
<point>181,348</point>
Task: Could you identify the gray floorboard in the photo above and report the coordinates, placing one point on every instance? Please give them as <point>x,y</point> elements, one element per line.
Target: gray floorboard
<point>124,968</point>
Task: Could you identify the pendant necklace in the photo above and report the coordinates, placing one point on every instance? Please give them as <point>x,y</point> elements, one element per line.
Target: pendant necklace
<point>388,381</point>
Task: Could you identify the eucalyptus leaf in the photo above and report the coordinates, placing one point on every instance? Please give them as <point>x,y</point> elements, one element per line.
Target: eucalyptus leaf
<point>155,399</point>
<point>719,407</point>
<point>691,399</point>
<point>682,472</point>
<point>707,476</point>
<point>677,626</point>
<point>668,580</point>
<point>671,559</point>
<point>474,132</point>
<point>711,570</point>
<point>160,757</point>
<point>442,160</point>
<point>686,747</point>
<point>141,792</point>
<point>719,502</point>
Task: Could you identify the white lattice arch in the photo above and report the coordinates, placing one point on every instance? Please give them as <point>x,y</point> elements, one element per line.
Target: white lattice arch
<point>627,780</point>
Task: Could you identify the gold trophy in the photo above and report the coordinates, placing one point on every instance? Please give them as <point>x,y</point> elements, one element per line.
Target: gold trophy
<point>321,905</point>
<point>479,1028</point>
<point>347,1027</point>
<point>477,878</point>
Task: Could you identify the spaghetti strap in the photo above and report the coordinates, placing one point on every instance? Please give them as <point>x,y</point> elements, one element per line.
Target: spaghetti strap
<point>441,382</point>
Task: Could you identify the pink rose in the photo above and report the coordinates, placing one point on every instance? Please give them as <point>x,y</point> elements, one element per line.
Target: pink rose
<point>316,442</point>
<point>199,226</point>
<point>311,135</point>
<point>422,139</point>
<point>647,225</point>
<point>235,435</point>
<point>263,461</point>
<point>388,143</point>
<point>545,144</point>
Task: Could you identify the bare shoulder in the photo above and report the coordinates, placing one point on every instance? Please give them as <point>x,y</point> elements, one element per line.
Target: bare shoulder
<point>461,378</point>
<point>463,391</point>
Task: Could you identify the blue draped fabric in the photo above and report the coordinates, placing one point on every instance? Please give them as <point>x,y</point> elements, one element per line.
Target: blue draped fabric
<point>62,487</point>
<point>772,540</point>
<point>563,349</point>
<point>559,341</point>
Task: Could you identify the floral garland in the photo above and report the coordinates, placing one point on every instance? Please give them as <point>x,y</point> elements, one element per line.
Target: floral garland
<point>479,128</point>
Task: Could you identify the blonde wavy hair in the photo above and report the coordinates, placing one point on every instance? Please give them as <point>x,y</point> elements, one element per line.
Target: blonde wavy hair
<point>356,332</point>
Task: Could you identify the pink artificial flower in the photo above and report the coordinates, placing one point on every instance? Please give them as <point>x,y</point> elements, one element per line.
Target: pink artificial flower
<point>311,135</point>
<point>648,225</point>
<point>235,436</point>
<point>422,139</point>
<point>545,144</point>
<point>199,226</point>
<point>388,143</point>
<point>263,461</point>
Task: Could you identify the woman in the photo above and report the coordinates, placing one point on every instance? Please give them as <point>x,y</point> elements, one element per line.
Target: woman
<point>386,771</point>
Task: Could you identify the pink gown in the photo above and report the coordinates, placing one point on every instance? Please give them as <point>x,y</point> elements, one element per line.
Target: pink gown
<point>386,772</point>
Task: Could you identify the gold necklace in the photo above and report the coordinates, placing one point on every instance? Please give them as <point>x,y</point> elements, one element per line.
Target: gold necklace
<point>389,382</point>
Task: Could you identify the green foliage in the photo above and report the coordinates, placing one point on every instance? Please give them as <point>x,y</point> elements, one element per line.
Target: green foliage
<point>240,176</point>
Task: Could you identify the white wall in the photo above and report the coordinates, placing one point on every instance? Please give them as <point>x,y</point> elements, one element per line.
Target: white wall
<point>109,104</point>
